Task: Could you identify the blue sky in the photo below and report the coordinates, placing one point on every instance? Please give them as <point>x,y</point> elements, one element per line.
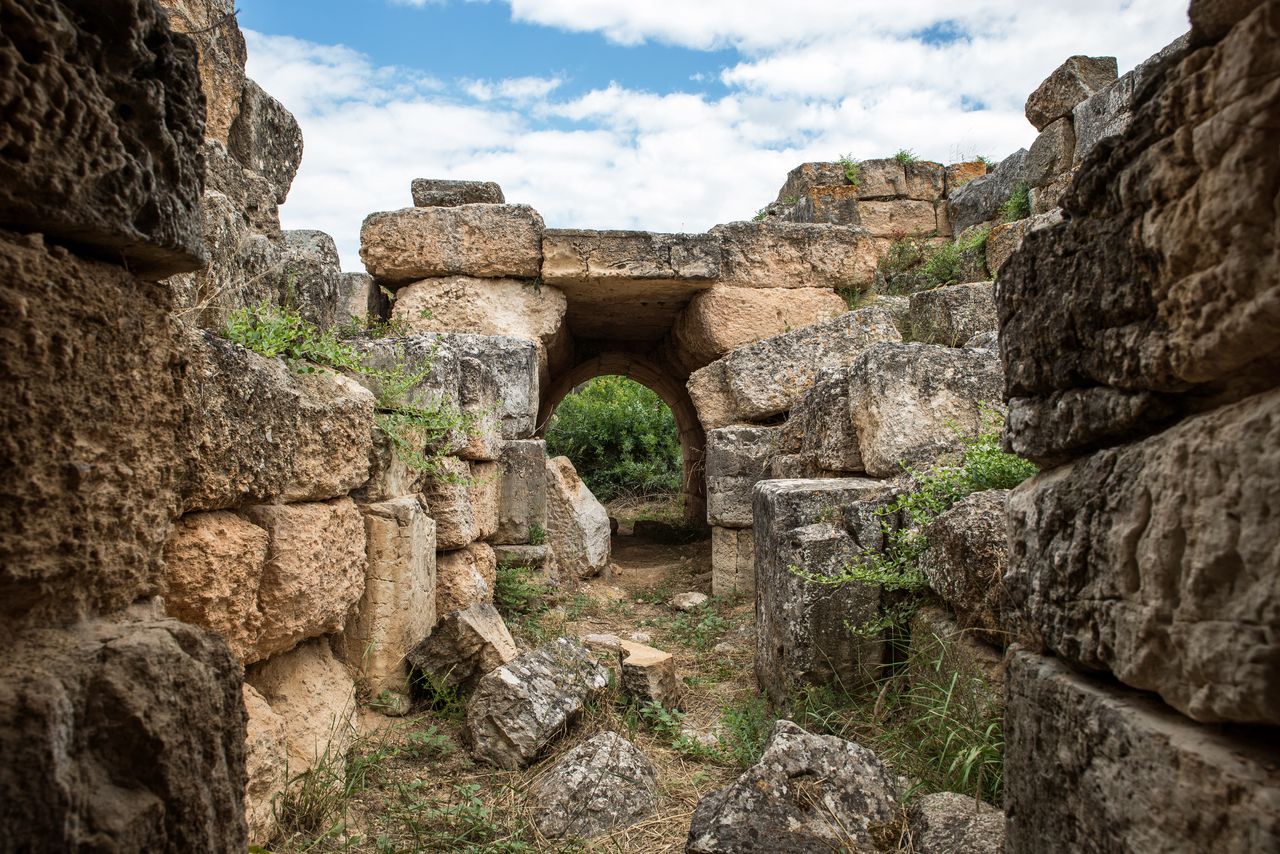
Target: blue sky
<point>665,114</point>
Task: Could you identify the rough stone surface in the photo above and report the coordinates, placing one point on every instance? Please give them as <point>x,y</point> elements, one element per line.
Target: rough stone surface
<point>1005,238</point>
<point>398,608</point>
<point>688,601</point>
<point>649,675</point>
<point>266,138</point>
<point>819,429</point>
<point>980,200</point>
<point>102,137</point>
<point>1128,774</point>
<point>262,432</point>
<point>953,314</point>
<point>530,557</point>
<point>121,736</point>
<point>795,255</point>
<point>959,174</point>
<point>486,485</point>
<point>1213,19</point>
<point>1157,306</point>
<point>479,391</point>
<point>441,193</point>
<point>733,561</point>
<point>390,474</point>
<point>247,193</point>
<point>722,319</point>
<point>522,498</point>
<point>1049,197</point>
<point>1051,154</point>
<point>602,784</point>
<point>315,571</point>
<point>966,559</point>
<point>214,564</point>
<point>465,577</point>
<point>737,457</point>
<point>577,524</point>
<point>1068,85</point>
<point>315,696</point>
<point>766,378</point>
<point>92,380</point>
<point>519,708</point>
<point>222,54</point>
<point>437,369</point>
<point>807,793</point>
<point>817,526</point>
<point>447,491</point>
<point>948,823</point>
<point>913,402</point>
<point>311,272</point>
<point>359,299</point>
<point>464,646</point>
<point>514,362</point>
<point>266,750</point>
<point>1157,561</point>
<point>488,241</point>
<point>890,219</point>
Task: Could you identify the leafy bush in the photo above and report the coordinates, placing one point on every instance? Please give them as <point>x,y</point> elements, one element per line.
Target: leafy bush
<point>621,437</point>
<point>852,169</point>
<point>912,264</point>
<point>1018,205</point>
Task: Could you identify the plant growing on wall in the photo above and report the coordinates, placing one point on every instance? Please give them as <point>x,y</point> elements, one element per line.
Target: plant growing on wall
<point>852,169</point>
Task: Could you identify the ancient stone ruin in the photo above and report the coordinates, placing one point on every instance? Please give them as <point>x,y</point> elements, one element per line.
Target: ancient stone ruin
<point>224,564</point>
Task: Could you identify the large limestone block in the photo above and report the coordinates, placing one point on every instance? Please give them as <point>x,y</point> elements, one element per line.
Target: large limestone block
<point>310,272</point>
<point>514,362</point>
<point>214,565</point>
<point>120,737</point>
<point>819,428</point>
<point>953,314</point>
<point>1157,561</point>
<point>1051,154</point>
<point>807,793</point>
<point>266,138</point>
<point>465,577</point>
<point>315,695</point>
<point>315,571</point>
<point>398,608</point>
<point>733,561</point>
<point>102,133</point>
<point>262,432</point>
<point>489,241</point>
<point>447,491</point>
<point>946,823</point>
<point>1133,303</point>
<point>1068,85</point>
<point>818,527</point>
<point>222,55</point>
<point>893,218</point>
<point>577,524</point>
<point>821,187</point>
<point>92,380</point>
<point>441,193</point>
<point>574,255</point>
<point>417,372</point>
<point>464,646</point>
<point>722,319</point>
<point>602,784</point>
<point>266,754</point>
<point>248,194</point>
<point>1127,773</point>
<point>520,707</point>
<point>911,403</point>
<point>359,299</point>
<point>736,459</point>
<point>486,491</point>
<point>522,496</point>
<point>796,255</point>
<point>766,378</point>
<point>980,200</point>
<point>392,473</point>
<point>479,393</point>
<point>966,558</point>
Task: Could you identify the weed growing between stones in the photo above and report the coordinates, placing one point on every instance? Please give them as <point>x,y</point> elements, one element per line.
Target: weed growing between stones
<point>537,534</point>
<point>905,156</point>
<point>914,264</point>
<point>852,169</point>
<point>276,332</point>
<point>1018,205</point>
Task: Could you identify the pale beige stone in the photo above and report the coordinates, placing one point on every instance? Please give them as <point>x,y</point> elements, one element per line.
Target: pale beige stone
<point>222,55</point>
<point>315,696</point>
<point>486,491</point>
<point>464,577</point>
<point>315,571</point>
<point>897,218</point>
<point>448,495</point>
<point>649,675</point>
<point>489,241</point>
<point>733,561</point>
<point>266,759</point>
<point>398,608</point>
<point>577,524</point>
<point>214,563</point>
<point>797,255</point>
<point>725,318</point>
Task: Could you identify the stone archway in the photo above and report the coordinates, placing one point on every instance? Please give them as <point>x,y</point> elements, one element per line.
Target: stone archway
<point>671,389</point>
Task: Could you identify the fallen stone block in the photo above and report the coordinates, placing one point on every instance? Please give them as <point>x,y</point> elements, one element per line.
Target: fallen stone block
<point>819,428</point>
<point>487,241</point>
<point>441,193</point>
<point>603,784</point>
<point>690,601</point>
<point>465,577</point>
<point>577,524</point>
<point>359,300</point>
<point>733,569</point>
<point>953,314</point>
<point>722,319</point>
<point>1070,83</point>
<point>464,646</point>
<point>649,675</point>
<point>911,403</point>
<point>266,138</point>
<point>519,708</point>
<point>796,255</point>
<point>1128,774</point>
<point>807,793</point>
<point>966,558</point>
<point>522,498</point>
<point>736,459</point>
<point>948,823</point>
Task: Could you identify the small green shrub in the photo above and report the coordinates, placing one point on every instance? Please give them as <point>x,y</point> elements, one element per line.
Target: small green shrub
<point>537,534</point>
<point>515,594</point>
<point>699,629</point>
<point>760,215</point>
<point>272,331</point>
<point>1018,205</point>
<point>852,169</point>
<point>746,724</point>
<point>905,156</point>
<point>986,161</point>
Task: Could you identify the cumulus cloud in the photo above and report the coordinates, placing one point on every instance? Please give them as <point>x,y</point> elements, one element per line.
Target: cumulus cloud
<point>815,79</point>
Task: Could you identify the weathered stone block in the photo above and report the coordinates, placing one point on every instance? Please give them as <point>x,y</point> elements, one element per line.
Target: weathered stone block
<point>490,241</point>
<point>959,174</point>
<point>602,784</point>
<point>818,527</point>
<point>1128,774</point>
<point>966,559</point>
<point>980,200</point>
<point>464,646</point>
<point>248,193</point>
<point>946,822</point>
<point>577,524</point>
<point>819,428</point>
<point>102,137</point>
<point>766,378</point>
<point>796,255</point>
<point>581,255</point>
<point>440,193</point>
<point>911,403</point>
<point>266,138</point>
<point>1069,84</point>
<point>1051,154</point>
<point>465,577</point>
<point>722,319</point>
<point>953,314</point>
<point>76,707</point>
<point>398,608</point>
<point>479,391</point>
<point>733,561</point>
<point>649,675</point>
<point>310,271</point>
<point>736,458</point>
<point>447,491</point>
<point>222,52</point>
<point>522,497</point>
<point>359,299</point>
<point>392,473</point>
<point>944,655</point>
<point>514,361</point>
<point>486,488</point>
<point>530,557</point>
<point>1157,561</point>
<point>266,749</point>
<point>895,217</point>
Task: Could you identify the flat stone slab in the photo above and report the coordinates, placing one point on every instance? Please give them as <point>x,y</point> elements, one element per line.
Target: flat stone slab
<point>441,193</point>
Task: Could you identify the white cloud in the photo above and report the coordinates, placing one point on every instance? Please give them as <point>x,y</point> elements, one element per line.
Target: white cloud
<point>817,79</point>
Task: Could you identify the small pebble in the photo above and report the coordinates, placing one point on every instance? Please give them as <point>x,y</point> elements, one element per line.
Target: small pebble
<point>641,637</point>
<point>688,601</point>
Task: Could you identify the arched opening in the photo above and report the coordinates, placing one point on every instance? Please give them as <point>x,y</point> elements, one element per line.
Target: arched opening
<point>673,394</point>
